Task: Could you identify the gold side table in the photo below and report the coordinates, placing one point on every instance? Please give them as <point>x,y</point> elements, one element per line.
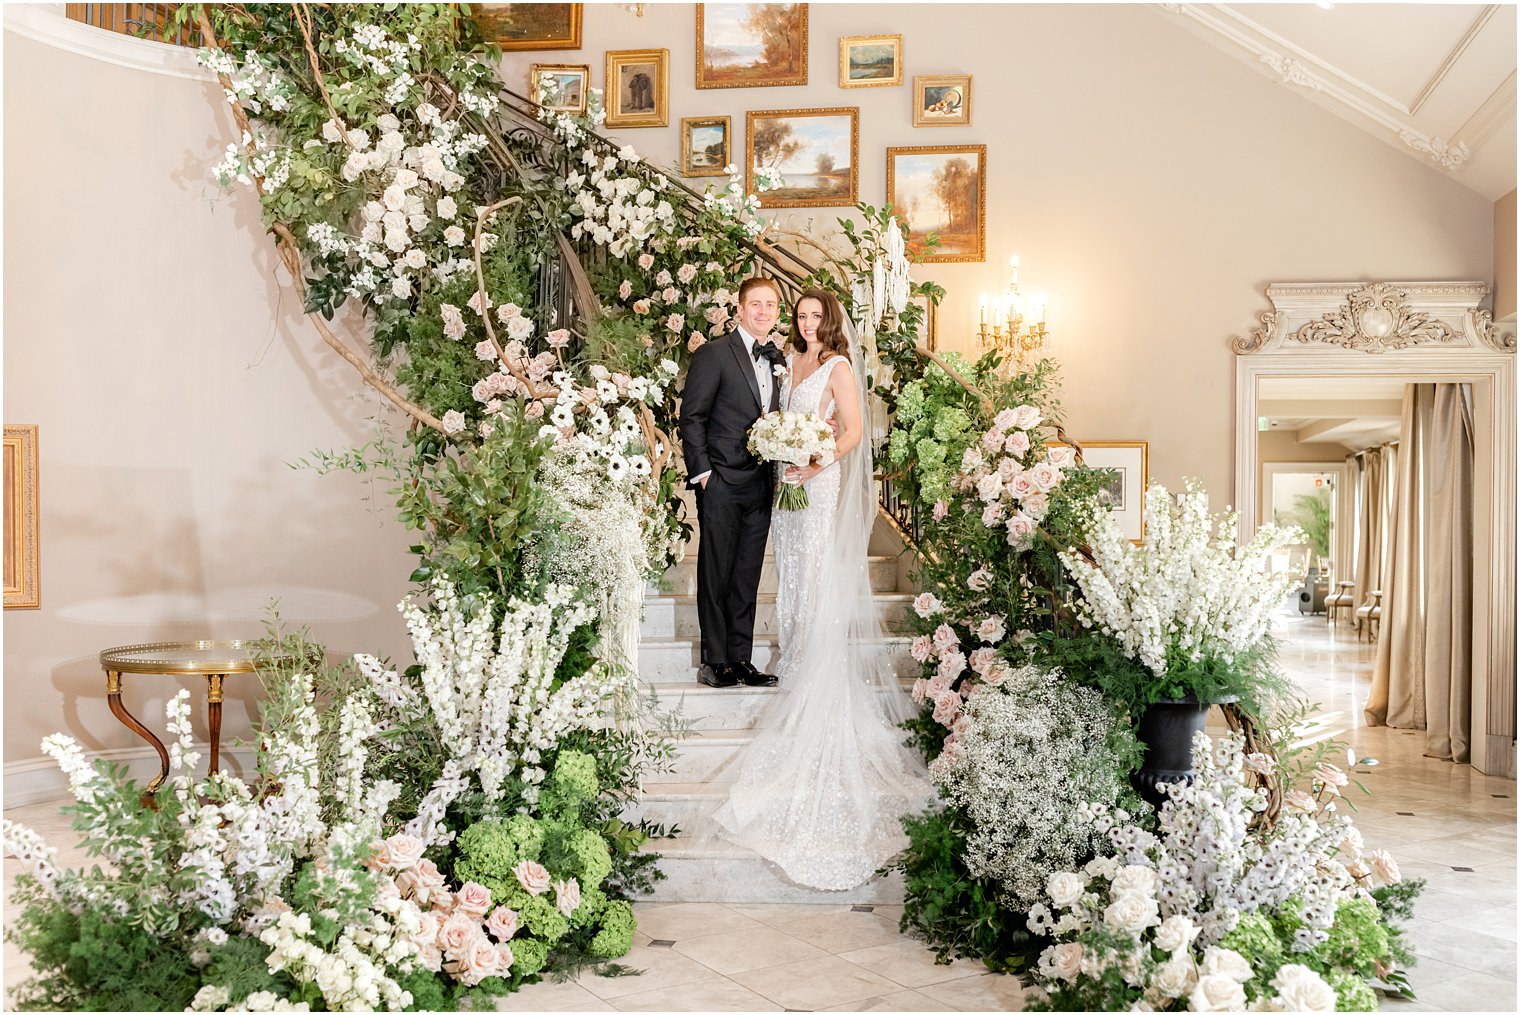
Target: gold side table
<point>214,660</point>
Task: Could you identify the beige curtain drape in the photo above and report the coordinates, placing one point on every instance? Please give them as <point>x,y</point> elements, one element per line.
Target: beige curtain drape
<point>1371,522</point>
<point>1397,697</point>
<point>1449,575</point>
<point>1423,675</point>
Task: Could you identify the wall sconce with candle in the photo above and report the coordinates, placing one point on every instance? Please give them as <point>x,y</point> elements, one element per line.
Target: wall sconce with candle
<point>1014,325</point>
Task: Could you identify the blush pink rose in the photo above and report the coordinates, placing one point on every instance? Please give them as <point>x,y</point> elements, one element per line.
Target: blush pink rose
<point>626,289</point>
<point>921,649</point>
<point>558,338</point>
<point>935,686</point>
<point>1017,443</point>
<point>927,604</point>
<point>981,659</point>
<point>646,261</point>
<point>992,440</point>
<point>992,514</point>
<point>945,637</point>
<point>979,580</point>
<point>641,307</point>
<point>695,342</point>
<point>502,923</point>
<point>1005,419</point>
<point>686,273</point>
<point>991,630</point>
<point>951,665</point>
<point>458,932</point>
<point>567,896</point>
<point>920,686</point>
<point>472,899</point>
<point>946,707</point>
<point>1023,485</point>
<point>941,509</point>
<point>532,876</point>
<point>1045,475</point>
<point>479,961</point>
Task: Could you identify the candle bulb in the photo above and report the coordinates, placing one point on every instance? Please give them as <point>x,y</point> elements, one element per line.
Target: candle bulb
<point>1043,303</point>
<point>1013,265</point>
<point>984,308</point>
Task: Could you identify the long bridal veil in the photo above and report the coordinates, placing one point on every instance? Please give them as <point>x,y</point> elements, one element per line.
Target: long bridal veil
<point>821,788</point>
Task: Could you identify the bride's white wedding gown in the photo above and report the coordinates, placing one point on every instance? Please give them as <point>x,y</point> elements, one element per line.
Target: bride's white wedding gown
<point>821,789</point>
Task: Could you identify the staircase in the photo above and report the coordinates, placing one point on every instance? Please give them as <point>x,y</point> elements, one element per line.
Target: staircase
<point>699,866</point>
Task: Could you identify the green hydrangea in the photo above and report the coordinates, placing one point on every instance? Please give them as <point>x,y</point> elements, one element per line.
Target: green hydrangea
<point>574,778</point>
<point>487,851</point>
<point>587,856</point>
<point>616,936</point>
<point>910,403</point>
<point>593,903</point>
<point>1352,992</point>
<point>1255,936</point>
<point>898,445</point>
<point>543,920</point>
<point>528,955</point>
<point>951,426</point>
<point>931,454</point>
<point>1358,940</point>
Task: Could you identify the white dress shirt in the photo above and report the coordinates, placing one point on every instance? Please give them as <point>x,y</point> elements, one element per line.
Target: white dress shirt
<point>764,376</point>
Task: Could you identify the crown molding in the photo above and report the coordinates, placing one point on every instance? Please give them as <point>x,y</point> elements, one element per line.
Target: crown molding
<point>46,23</point>
<point>1295,66</point>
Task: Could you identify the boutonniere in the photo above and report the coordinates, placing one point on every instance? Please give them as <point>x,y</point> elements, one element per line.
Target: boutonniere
<point>778,370</point>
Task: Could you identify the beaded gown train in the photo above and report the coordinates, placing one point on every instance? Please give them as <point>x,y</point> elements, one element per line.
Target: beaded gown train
<point>821,790</point>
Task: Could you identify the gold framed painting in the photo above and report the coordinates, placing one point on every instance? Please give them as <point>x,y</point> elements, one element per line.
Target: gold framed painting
<point>751,45</point>
<point>638,87</point>
<point>561,87</point>
<point>870,61</point>
<point>22,570</point>
<point>706,145</point>
<point>816,151</point>
<point>941,189</point>
<point>928,329</point>
<point>529,25</point>
<point>942,100</point>
<point>1124,492</point>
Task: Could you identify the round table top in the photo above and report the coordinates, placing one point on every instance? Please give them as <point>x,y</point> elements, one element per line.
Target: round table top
<point>180,657</point>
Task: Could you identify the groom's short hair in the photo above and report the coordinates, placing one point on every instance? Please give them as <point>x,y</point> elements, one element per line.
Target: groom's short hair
<point>755,281</point>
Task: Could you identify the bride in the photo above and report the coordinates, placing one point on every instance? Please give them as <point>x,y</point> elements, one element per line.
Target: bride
<point>820,790</point>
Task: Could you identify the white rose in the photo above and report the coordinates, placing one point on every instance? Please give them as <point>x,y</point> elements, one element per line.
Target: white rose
<point>453,421</point>
<point>404,851</point>
<point>1300,988</point>
<point>1384,870</point>
<point>1065,888</point>
<point>1134,878</point>
<point>1175,933</point>
<point>1217,993</point>
<point>1225,962</point>
<point>1066,960</point>
<point>1130,913</point>
<point>1175,977</point>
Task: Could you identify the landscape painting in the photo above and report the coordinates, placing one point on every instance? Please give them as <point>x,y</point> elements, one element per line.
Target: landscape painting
<point>751,45</point>
<point>705,147</point>
<point>530,26</point>
<point>941,189</point>
<point>867,61</point>
<point>814,150</point>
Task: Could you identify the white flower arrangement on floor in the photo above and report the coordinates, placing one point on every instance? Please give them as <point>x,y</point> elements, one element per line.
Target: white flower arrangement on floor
<point>1220,910</point>
<point>1023,757</point>
<point>1185,602</point>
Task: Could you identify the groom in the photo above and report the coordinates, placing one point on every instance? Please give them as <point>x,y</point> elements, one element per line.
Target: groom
<point>731,383</point>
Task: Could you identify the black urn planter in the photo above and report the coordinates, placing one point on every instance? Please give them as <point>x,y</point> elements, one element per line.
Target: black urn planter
<point>1166,730</point>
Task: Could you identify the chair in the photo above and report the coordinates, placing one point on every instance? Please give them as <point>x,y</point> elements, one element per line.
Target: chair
<point>1340,599</point>
<point>1371,612</point>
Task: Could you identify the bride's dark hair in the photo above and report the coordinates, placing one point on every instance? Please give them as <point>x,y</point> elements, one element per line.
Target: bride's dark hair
<point>830,329</point>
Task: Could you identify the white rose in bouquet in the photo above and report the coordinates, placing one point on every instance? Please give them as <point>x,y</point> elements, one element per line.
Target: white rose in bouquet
<point>1217,992</point>
<point>1300,988</point>
<point>792,438</point>
<point>1065,888</point>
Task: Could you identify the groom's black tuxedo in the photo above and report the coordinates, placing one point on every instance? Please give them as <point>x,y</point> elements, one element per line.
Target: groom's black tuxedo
<point>721,401</point>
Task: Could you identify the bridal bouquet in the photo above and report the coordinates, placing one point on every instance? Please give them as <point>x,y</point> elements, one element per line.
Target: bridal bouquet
<point>792,438</point>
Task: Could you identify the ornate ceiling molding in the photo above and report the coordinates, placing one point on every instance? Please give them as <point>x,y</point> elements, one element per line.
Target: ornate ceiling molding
<point>1377,317</point>
<point>1295,66</point>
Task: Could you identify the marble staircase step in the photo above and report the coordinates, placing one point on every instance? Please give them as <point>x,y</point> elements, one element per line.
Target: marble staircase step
<point>668,616</point>
<point>710,709</point>
<point>681,580</point>
<point>677,659</point>
<point>712,870</point>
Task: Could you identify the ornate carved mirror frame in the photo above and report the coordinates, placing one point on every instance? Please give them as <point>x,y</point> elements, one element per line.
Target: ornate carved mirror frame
<point>1417,332</point>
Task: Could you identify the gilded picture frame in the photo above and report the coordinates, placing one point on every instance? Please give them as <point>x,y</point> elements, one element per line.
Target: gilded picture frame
<point>21,556</point>
<point>697,155</point>
<point>1130,461</point>
<point>724,43</point>
<point>942,100</point>
<point>804,139</point>
<point>860,61</point>
<point>564,100</point>
<point>529,26</point>
<point>933,189</point>
<point>638,88</point>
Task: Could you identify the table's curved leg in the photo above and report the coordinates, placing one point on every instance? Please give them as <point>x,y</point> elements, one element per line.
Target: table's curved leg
<point>113,695</point>
<point>214,715</point>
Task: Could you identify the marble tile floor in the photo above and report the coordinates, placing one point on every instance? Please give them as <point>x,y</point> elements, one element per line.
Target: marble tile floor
<point>1442,822</point>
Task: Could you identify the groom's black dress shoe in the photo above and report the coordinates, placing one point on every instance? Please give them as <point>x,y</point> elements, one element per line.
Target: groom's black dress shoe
<point>752,677</point>
<point>721,675</point>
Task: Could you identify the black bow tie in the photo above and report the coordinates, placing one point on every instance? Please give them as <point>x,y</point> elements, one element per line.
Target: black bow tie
<point>769,352</point>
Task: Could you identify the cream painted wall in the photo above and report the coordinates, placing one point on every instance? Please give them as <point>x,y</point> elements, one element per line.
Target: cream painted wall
<point>172,379</point>
<point>1504,256</point>
<point>1151,184</point>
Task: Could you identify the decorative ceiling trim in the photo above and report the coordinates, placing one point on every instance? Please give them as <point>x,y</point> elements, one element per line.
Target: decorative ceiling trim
<point>1496,110</point>
<point>1452,58</point>
<point>46,23</point>
<point>1296,66</point>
